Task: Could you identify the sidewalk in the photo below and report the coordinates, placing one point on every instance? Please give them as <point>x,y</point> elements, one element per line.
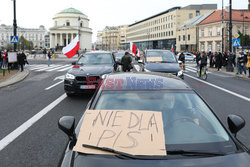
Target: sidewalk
<point>223,71</point>
<point>19,76</point>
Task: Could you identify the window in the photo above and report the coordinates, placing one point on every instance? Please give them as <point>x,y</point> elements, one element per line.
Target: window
<point>171,25</point>
<point>184,37</point>
<point>190,15</point>
<point>179,38</point>
<point>197,13</point>
<point>81,24</point>
<point>202,33</point>
<point>202,47</point>
<point>172,33</point>
<point>67,23</point>
<point>218,47</point>
<point>218,31</point>
<point>189,37</point>
<point>210,33</point>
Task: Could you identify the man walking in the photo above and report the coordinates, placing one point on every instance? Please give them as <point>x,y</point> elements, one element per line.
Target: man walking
<point>49,57</point>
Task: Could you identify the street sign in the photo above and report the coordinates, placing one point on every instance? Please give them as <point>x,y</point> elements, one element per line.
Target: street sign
<point>13,39</point>
<point>236,42</point>
<point>236,35</point>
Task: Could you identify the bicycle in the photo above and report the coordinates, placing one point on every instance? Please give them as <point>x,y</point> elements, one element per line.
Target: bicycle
<point>203,72</point>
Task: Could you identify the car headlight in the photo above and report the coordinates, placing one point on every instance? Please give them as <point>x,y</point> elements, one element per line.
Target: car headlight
<point>69,76</point>
<point>103,76</point>
<point>146,70</point>
<point>180,73</point>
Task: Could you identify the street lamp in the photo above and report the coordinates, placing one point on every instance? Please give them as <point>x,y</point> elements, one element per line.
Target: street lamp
<point>14,23</point>
<point>230,27</point>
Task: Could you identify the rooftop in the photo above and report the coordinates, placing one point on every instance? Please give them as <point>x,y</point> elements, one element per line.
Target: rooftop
<point>194,21</point>
<point>72,11</point>
<point>237,15</point>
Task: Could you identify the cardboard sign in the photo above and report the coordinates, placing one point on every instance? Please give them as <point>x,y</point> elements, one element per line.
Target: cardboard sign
<point>154,59</point>
<point>129,131</point>
<point>12,57</point>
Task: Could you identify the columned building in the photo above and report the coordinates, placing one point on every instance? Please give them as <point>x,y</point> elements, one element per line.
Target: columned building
<point>67,25</point>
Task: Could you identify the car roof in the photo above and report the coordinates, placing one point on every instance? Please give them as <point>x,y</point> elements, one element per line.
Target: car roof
<point>98,52</point>
<point>145,81</point>
<point>158,50</point>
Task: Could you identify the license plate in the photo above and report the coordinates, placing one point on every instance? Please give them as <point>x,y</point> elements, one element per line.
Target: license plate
<point>87,87</point>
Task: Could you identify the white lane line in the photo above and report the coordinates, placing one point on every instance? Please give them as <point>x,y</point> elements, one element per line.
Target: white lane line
<point>223,89</point>
<point>40,67</point>
<point>190,70</point>
<point>64,69</point>
<point>137,67</point>
<point>193,68</point>
<point>59,67</point>
<point>48,88</point>
<point>48,67</point>
<point>21,129</point>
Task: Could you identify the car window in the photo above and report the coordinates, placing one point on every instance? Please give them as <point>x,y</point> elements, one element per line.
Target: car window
<point>167,56</point>
<point>95,59</point>
<point>119,54</point>
<point>186,118</point>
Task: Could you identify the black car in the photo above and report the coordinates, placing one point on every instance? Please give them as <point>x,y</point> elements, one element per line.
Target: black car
<point>87,72</point>
<point>161,61</point>
<point>193,134</point>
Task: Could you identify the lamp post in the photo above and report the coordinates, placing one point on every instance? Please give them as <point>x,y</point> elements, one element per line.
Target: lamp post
<point>230,27</point>
<point>14,24</point>
<point>222,15</point>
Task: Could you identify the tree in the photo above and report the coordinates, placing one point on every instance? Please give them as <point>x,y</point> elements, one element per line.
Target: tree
<point>25,44</point>
<point>244,39</point>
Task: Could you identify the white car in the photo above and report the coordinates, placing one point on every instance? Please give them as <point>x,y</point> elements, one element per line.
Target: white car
<point>188,56</point>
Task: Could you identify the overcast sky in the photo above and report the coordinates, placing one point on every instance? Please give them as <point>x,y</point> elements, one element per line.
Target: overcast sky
<point>33,13</point>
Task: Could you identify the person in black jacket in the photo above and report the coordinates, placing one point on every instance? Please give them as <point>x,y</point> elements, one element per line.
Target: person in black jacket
<point>182,59</point>
<point>126,62</point>
<point>203,61</point>
<point>21,60</point>
<point>219,61</point>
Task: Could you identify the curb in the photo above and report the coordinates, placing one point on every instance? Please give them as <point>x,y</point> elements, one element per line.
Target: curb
<point>231,74</point>
<point>2,85</point>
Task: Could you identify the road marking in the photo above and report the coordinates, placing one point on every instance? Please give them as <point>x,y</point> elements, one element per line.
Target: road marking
<point>40,67</point>
<point>137,67</point>
<point>26,125</point>
<point>187,69</point>
<point>64,69</point>
<point>48,88</point>
<point>59,67</point>
<point>223,89</point>
<point>48,67</point>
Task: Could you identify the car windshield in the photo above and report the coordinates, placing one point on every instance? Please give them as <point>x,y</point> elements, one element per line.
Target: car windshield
<point>166,56</point>
<point>188,122</point>
<point>95,59</point>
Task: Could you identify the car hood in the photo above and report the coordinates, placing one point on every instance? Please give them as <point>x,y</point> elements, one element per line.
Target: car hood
<point>91,70</point>
<point>239,160</point>
<point>163,67</point>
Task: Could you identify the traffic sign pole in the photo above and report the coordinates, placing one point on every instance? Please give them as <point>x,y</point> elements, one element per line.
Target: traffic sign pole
<point>14,23</point>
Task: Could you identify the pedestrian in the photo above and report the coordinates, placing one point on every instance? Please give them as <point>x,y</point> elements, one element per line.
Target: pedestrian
<point>25,58</point>
<point>44,53</point>
<point>248,64</point>
<point>21,60</point>
<point>218,61</point>
<point>203,61</point>
<point>126,62</point>
<point>182,59</point>
<point>49,57</point>
<point>241,64</point>
<point>1,59</point>
<point>198,56</point>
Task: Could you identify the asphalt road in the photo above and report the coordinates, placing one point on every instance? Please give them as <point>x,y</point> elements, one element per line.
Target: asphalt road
<point>43,143</point>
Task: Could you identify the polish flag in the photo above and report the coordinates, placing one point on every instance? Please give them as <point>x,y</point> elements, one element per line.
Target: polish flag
<point>139,53</point>
<point>133,48</point>
<point>71,49</point>
<point>172,48</point>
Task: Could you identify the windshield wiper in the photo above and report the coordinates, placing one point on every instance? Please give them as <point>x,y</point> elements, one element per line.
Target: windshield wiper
<point>194,153</point>
<point>125,154</point>
<point>166,62</point>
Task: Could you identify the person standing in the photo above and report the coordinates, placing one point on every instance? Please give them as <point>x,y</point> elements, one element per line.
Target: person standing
<point>182,59</point>
<point>126,62</point>
<point>241,64</point>
<point>248,64</point>
<point>44,53</point>
<point>203,61</point>
<point>49,57</point>
<point>198,56</point>
<point>218,61</point>
<point>20,59</point>
<point>1,59</point>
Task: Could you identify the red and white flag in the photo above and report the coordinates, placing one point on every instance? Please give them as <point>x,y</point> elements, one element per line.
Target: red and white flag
<point>133,48</point>
<point>71,49</point>
<point>139,53</point>
<point>172,48</point>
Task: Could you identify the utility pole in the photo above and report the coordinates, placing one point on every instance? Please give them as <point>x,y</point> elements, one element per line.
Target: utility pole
<point>14,24</point>
<point>222,15</point>
<point>230,27</point>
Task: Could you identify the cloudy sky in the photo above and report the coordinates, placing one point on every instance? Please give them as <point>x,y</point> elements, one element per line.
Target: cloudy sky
<point>32,13</point>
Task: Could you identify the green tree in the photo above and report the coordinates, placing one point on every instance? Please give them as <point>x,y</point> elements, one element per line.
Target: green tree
<point>244,39</point>
<point>25,44</point>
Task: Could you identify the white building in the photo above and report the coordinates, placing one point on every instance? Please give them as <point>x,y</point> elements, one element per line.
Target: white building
<point>36,35</point>
<point>67,25</point>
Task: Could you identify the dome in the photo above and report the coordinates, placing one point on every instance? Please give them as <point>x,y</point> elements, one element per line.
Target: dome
<point>71,10</point>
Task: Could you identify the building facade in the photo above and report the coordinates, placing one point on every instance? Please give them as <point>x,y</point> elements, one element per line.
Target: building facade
<point>122,36</point>
<point>67,25</point>
<point>188,34</point>
<point>211,29</point>
<point>159,31</point>
<point>35,35</point>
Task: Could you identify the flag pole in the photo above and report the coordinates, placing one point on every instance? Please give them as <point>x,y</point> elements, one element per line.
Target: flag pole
<point>79,35</point>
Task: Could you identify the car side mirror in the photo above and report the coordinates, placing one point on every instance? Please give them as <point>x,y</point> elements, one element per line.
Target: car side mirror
<point>73,63</point>
<point>235,123</point>
<point>67,125</point>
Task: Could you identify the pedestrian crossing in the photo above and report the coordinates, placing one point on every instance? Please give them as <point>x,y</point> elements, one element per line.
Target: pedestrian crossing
<point>51,68</point>
<point>193,68</point>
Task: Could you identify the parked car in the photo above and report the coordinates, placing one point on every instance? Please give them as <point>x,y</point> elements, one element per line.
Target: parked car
<point>167,62</point>
<point>88,71</point>
<point>188,56</point>
<point>193,134</point>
